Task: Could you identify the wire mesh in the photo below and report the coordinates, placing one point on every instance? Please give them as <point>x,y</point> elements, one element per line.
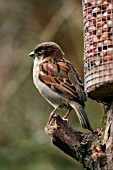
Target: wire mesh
<point>98,48</point>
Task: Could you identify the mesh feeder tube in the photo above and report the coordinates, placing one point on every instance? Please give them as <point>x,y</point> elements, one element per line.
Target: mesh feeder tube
<point>98,49</point>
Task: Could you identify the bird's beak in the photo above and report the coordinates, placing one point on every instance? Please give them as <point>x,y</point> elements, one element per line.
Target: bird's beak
<point>31,54</point>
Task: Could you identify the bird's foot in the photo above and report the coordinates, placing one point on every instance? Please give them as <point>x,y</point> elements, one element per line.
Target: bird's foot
<point>66,115</point>
<point>52,114</point>
<point>66,120</point>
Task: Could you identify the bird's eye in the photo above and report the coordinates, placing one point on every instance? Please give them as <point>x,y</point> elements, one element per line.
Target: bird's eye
<point>38,53</point>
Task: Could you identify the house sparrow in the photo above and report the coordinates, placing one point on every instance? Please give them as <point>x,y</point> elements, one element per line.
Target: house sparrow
<point>58,81</point>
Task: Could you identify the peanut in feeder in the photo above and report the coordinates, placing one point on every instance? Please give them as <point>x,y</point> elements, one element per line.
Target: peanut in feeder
<point>98,49</point>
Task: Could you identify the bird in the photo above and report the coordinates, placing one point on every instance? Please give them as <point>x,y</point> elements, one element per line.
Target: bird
<point>58,81</point>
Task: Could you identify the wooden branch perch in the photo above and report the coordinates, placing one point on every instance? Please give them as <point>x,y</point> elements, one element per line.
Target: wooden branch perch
<point>108,138</point>
<point>85,148</point>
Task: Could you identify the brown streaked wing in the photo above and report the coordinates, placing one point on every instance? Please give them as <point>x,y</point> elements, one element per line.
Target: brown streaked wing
<point>77,83</point>
<point>57,79</point>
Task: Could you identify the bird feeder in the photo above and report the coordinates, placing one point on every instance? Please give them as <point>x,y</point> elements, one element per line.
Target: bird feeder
<point>98,49</point>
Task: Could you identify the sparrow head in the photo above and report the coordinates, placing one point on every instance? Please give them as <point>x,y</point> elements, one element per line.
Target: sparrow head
<point>47,49</point>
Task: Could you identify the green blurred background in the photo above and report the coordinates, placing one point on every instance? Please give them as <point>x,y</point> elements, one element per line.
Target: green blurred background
<point>23,111</point>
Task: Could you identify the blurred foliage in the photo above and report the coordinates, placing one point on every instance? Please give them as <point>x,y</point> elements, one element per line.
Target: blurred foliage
<point>23,112</point>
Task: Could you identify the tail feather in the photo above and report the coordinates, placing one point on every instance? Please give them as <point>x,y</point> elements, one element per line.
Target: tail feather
<point>81,115</point>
